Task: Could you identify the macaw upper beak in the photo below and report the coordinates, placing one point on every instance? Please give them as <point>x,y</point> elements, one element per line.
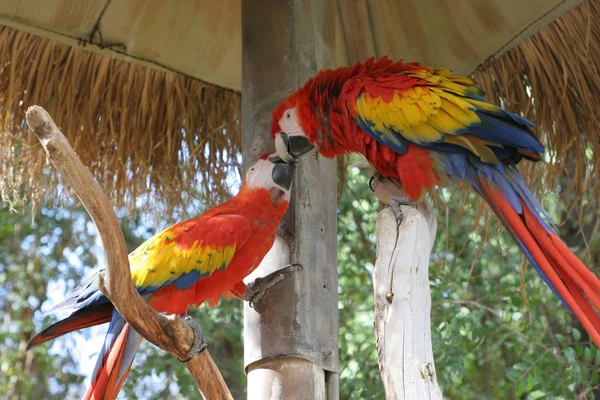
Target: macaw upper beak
<point>283,172</point>
<point>289,148</point>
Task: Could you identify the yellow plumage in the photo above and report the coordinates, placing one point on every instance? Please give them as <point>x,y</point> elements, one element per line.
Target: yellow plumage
<point>477,147</point>
<point>439,109</point>
<point>160,259</point>
<point>429,114</point>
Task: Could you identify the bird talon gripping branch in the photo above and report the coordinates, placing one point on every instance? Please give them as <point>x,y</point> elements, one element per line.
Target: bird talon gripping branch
<point>395,205</point>
<point>200,343</point>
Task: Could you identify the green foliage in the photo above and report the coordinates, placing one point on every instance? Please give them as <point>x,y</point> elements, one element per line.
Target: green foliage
<point>490,341</point>
<point>222,327</point>
<point>32,255</point>
<point>357,213</point>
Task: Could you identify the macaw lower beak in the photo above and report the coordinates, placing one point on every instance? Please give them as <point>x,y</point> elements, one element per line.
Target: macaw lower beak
<point>289,148</point>
<point>283,172</point>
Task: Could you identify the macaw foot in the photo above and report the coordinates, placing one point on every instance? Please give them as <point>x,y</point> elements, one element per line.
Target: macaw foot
<point>200,343</point>
<point>396,202</point>
<point>377,177</point>
<point>257,289</point>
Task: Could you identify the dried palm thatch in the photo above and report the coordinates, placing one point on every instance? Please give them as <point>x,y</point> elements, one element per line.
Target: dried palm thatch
<point>149,137</point>
<point>154,138</point>
<point>553,78</point>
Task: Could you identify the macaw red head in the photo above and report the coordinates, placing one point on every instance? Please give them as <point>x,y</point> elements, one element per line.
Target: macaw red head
<point>294,127</point>
<point>273,174</point>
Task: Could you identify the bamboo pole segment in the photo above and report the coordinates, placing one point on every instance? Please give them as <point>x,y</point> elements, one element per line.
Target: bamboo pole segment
<point>170,333</point>
<point>276,379</point>
<point>403,300</point>
<point>290,336</point>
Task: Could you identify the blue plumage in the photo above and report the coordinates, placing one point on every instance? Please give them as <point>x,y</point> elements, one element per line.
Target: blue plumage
<point>508,191</point>
<point>117,324</point>
<point>391,139</point>
<point>474,176</point>
<point>506,132</point>
<point>187,280</point>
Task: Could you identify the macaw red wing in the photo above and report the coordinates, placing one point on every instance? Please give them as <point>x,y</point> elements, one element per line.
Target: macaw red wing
<point>188,251</point>
<point>437,111</point>
<point>441,126</point>
<point>180,255</point>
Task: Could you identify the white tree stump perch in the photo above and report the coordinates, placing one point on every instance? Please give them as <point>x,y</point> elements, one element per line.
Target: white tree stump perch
<point>403,300</point>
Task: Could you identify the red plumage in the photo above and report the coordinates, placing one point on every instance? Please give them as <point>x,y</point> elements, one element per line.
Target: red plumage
<point>185,265</point>
<point>426,127</point>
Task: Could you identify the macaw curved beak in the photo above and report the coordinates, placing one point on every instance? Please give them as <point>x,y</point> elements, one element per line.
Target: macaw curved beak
<point>289,148</point>
<point>283,172</point>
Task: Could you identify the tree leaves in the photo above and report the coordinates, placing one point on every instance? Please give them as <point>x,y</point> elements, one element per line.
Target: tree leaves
<point>488,342</point>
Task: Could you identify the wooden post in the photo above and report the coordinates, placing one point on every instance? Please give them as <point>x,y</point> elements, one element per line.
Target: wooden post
<point>290,336</point>
<point>403,300</point>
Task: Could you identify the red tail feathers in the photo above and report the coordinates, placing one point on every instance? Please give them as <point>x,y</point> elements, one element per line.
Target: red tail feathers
<point>110,376</point>
<point>81,319</point>
<point>570,278</point>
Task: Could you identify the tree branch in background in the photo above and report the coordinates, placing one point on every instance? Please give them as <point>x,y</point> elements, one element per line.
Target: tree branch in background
<point>169,333</point>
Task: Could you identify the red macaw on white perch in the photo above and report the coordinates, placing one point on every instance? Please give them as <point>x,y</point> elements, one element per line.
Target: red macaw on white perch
<point>426,127</point>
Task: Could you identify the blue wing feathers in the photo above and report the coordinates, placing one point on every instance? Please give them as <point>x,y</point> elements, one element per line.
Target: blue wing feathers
<point>187,280</point>
<point>390,138</point>
<point>508,191</point>
<point>116,326</point>
<point>88,294</point>
<point>506,133</point>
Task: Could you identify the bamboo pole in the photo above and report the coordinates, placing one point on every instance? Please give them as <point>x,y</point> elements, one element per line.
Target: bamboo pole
<point>403,300</point>
<point>170,333</point>
<point>290,336</point>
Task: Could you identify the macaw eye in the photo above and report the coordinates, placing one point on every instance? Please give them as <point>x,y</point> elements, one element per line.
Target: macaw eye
<point>288,115</point>
<point>252,169</point>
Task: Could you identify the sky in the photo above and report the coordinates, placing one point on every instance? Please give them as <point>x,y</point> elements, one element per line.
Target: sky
<point>88,347</point>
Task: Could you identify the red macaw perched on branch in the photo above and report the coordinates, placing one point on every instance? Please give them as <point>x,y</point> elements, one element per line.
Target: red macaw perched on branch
<point>184,265</point>
<point>426,127</point>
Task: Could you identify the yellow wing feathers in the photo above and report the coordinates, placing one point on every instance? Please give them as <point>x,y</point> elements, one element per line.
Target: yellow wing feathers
<point>419,114</point>
<point>444,79</point>
<point>160,260</point>
<point>439,111</point>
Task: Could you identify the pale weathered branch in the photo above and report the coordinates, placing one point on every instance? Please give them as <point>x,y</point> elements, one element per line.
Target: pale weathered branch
<point>169,333</point>
<point>402,298</point>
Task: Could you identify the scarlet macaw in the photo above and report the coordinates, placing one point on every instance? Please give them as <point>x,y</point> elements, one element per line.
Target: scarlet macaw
<point>182,266</point>
<point>426,127</point>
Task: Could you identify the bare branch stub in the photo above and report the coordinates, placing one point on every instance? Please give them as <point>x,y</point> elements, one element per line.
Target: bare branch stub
<point>169,333</point>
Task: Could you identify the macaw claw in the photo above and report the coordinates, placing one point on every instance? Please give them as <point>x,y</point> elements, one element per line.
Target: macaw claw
<point>395,203</point>
<point>375,176</point>
<point>257,289</point>
<point>200,343</point>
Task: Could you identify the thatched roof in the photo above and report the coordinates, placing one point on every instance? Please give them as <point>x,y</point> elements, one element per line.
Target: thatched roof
<point>157,126</point>
<point>553,78</point>
<point>140,130</point>
<point>202,39</point>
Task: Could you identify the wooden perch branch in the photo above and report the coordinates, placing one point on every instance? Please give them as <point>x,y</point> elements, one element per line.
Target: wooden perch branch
<point>403,300</point>
<point>169,333</point>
